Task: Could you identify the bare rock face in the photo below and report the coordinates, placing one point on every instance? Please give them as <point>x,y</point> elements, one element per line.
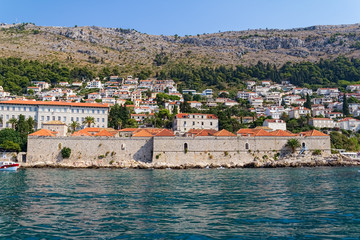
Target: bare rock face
<point>128,46</point>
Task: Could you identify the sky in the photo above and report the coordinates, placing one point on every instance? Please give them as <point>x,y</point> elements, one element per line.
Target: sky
<point>182,17</point>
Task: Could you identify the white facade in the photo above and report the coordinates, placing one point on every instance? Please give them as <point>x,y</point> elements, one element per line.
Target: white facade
<point>94,84</point>
<point>183,122</point>
<point>351,124</point>
<point>274,111</point>
<point>322,123</point>
<point>275,124</point>
<point>43,112</point>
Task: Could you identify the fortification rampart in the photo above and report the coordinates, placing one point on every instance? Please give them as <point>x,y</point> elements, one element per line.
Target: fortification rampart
<point>170,151</point>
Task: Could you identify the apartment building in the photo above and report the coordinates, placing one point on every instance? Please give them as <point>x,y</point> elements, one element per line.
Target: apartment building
<point>183,122</point>
<point>43,112</point>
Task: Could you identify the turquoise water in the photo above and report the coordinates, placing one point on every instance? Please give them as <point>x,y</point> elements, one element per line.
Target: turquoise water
<point>301,203</point>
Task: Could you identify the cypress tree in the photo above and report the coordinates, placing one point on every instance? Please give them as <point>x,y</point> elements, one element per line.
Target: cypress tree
<point>307,104</point>
<point>346,111</point>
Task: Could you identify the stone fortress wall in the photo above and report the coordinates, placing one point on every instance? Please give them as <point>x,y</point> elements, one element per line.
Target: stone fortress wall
<point>161,151</point>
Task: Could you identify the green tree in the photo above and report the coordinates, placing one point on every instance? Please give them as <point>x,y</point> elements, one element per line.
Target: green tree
<point>88,121</point>
<point>22,126</point>
<point>346,110</point>
<point>10,146</point>
<point>73,126</point>
<point>65,152</point>
<point>307,104</point>
<point>293,144</point>
<point>13,122</point>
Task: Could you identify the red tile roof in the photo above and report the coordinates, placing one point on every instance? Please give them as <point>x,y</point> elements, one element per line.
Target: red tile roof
<point>314,133</point>
<point>55,103</point>
<point>165,133</point>
<point>224,133</point>
<point>142,133</point>
<point>44,133</point>
<point>104,133</point>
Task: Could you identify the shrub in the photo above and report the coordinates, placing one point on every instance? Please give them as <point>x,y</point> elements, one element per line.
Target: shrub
<point>157,156</point>
<point>226,153</point>
<point>316,152</point>
<point>65,152</point>
<point>101,156</point>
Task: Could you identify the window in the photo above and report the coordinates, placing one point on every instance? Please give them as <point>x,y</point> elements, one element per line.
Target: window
<point>103,120</point>
<point>202,123</point>
<point>24,108</point>
<point>83,111</point>
<point>42,118</point>
<point>48,118</point>
<point>98,119</point>
<point>59,118</point>
<point>193,122</point>
<point>303,145</point>
<point>98,111</point>
<point>64,119</point>
<point>72,118</point>
<point>53,118</point>
<point>210,123</point>
<point>77,119</point>
<point>93,111</point>
<point>185,147</point>
<point>246,146</point>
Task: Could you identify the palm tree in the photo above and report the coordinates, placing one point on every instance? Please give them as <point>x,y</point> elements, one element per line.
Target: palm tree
<point>13,122</point>
<point>89,120</point>
<point>74,125</point>
<point>1,121</point>
<point>32,124</point>
<point>293,144</point>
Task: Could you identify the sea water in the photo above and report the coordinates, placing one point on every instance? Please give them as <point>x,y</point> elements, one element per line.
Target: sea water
<point>286,203</point>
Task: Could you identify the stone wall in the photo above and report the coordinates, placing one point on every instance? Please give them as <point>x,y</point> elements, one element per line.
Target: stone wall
<point>89,150</point>
<point>170,151</point>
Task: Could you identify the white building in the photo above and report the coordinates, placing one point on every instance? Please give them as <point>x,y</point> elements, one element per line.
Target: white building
<point>275,124</point>
<point>183,122</point>
<point>322,123</point>
<point>246,95</point>
<point>351,124</point>
<point>94,84</point>
<point>298,112</point>
<point>274,111</point>
<point>43,112</point>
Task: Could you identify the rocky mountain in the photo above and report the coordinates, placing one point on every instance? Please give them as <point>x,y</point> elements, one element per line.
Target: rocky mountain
<point>132,50</point>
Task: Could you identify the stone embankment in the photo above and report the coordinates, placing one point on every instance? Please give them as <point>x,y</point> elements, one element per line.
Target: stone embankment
<point>289,161</point>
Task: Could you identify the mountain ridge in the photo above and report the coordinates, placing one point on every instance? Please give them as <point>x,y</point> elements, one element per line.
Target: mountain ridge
<point>131,50</point>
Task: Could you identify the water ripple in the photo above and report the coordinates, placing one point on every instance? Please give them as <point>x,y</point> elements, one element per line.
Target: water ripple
<point>304,203</point>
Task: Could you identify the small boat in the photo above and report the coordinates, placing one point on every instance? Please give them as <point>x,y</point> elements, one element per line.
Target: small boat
<point>8,166</point>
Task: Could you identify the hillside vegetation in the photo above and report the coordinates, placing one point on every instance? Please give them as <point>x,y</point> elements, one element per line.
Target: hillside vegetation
<point>132,52</point>
<point>17,74</point>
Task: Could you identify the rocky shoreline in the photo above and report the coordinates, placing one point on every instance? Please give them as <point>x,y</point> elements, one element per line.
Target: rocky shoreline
<point>292,161</point>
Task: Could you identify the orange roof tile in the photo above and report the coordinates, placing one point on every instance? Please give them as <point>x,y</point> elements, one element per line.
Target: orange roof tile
<point>224,133</point>
<point>44,133</point>
<point>128,130</point>
<point>80,133</point>
<point>314,133</point>
<point>104,133</point>
<point>55,103</point>
<point>206,132</point>
<point>165,133</point>
<point>282,133</point>
<point>142,133</point>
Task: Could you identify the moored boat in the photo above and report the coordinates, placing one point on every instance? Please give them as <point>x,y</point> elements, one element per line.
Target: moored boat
<point>8,166</point>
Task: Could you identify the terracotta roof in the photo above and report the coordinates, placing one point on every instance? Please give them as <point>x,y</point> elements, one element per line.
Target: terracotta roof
<point>348,119</point>
<point>44,133</point>
<point>314,133</point>
<point>328,119</point>
<point>165,133</point>
<point>104,133</point>
<point>282,133</point>
<point>81,133</point>
<point>128,129</point>
<point>142,133</point>
<point>55,103</point>
<point>206,132</point>
<point>187,115</point>
<point>224,133</point>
